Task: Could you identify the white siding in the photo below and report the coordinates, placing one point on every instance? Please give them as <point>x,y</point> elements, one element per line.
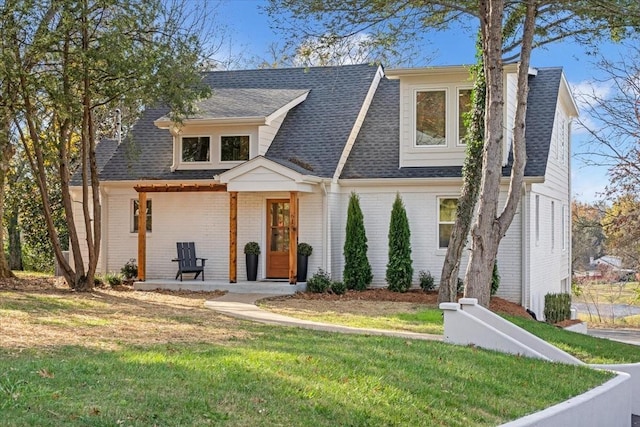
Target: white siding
<point>549,257</point>
<point>267,133</point>
<point>421,204</point>
<point>510,113</point>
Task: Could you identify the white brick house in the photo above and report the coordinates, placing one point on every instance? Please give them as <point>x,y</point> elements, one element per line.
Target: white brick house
<point>266,138</point>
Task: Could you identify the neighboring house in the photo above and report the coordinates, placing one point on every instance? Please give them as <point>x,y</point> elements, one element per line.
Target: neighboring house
<point>273,155</point>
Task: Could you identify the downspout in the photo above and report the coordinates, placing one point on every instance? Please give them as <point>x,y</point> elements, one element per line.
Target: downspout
<point>326,224</point>
<point>524,241</point>
<point>568,213</point>
<point>104,242</point>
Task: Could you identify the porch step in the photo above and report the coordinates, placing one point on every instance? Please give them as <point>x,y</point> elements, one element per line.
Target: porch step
<point>272,288</point>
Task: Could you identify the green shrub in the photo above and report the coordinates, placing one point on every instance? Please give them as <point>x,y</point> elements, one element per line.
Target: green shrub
<point>427,283</point>
<point>460,287</point>
<point>305,249</point>
<point>113,279</point>
<point>130,269</point>
<point>557,307</point>
<point>252,248</point>
<point>400,266</point>
<point>357,270</point>
<point>495,279</point>
<point>338,288</point>
<point>319,283</point>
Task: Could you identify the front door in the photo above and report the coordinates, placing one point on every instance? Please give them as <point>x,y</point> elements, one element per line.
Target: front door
<point>278,239</point>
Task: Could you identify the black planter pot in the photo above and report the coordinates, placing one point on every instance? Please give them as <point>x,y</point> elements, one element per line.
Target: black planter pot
<point>252,267</point>
<point>303,262</point>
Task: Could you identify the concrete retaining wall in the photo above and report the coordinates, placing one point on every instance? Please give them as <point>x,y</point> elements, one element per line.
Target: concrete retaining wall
<point>607,405</point>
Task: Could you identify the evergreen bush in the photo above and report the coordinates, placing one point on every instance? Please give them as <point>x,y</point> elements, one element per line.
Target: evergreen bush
<point>427,282</point>
<point>357,270</point>
<point>113,279</point>
<point>557,307</point>
<point>319,283</point>
<point>495,279</point>
<point>130,269</point>
<point>399,266</point>
<point>338,288</point>
<point>460,287</point>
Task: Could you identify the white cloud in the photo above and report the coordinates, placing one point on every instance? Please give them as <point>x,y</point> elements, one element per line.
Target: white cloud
<point>587,91</point>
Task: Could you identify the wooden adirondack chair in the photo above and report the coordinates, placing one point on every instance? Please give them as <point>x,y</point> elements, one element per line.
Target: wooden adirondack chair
<point>187,260</point>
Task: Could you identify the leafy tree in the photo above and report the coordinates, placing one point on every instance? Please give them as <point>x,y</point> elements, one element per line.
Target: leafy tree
<point>399,267</point>
<point>588,239</point>
<point>509,31</point>
<point>612,120</point>
<point>357,270</point>
<point>621,224</point>
<point>68,64</point>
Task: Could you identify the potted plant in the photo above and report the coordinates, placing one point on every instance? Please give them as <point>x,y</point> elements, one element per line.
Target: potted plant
<point>304,252</point>
<point>251,251</point>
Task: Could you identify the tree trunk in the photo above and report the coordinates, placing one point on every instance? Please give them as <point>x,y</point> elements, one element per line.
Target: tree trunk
<point>471,173</point>
<point>6,153</point>
<point>489,229</point>
<point>15,244</point>
<point>484,236</point>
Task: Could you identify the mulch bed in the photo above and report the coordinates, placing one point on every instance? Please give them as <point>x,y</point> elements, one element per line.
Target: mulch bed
<point>417,296</point>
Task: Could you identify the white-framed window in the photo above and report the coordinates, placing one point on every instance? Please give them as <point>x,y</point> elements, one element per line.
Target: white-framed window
<point>463,107</point>
<point>447,207</point>
<point>234,148</point>
<point>537,219</point>
<point>553,225</point>
<point>135,215</point>
<point>430,117</point>
<point>195,149</point>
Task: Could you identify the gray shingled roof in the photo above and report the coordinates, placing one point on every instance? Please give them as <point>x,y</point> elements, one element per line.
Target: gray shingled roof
<point>376,155</point>
<point>310,139</point>
<point>313,135</point>
<point>227,103</point>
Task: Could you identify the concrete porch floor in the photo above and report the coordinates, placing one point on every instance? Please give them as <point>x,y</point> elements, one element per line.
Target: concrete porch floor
<point>258,287</point>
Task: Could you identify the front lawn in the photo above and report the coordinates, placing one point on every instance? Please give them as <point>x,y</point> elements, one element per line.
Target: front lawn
<point>162,359</point>
<point>281,376</point>
<point>586,348</point>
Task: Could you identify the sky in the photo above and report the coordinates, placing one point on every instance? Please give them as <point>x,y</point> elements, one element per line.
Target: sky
<point>250,35</point>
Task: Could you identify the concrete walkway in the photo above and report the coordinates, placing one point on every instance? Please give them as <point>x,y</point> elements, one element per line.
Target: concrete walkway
<point>243,306</point>
<point>629,336</point>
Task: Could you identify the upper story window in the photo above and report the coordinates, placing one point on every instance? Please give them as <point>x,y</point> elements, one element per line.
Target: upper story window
<point>431,117</point>
<point>464,106</point>
<point>447,208</point>
<point>234,148</point>
<point>440,117</point>
<point>196,149</point>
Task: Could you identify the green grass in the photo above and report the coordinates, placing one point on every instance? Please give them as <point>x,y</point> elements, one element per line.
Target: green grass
<point>427,321</point>
<point>30,274</point>
<point>281,376</point>
<point>586,348</point>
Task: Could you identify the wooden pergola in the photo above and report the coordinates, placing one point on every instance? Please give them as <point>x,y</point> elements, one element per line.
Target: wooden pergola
<point>142,191</point>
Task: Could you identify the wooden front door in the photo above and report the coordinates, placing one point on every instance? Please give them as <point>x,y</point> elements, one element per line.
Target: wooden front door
<point>278,239</point>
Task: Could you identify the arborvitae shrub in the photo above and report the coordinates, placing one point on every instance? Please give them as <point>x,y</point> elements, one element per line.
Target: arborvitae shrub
<point>495,279</point>
<point>338,288</point>
<point>357,270</point>
<point>557,307</point>
<point>399,266</point>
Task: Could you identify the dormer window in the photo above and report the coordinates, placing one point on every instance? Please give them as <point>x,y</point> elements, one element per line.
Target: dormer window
<point>196,149</point>
<point>431,118</point>
<point>234,148</point>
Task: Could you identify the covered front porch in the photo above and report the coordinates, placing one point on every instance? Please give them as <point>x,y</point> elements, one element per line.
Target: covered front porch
<point>257,201</point>
<point>241,287</point>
